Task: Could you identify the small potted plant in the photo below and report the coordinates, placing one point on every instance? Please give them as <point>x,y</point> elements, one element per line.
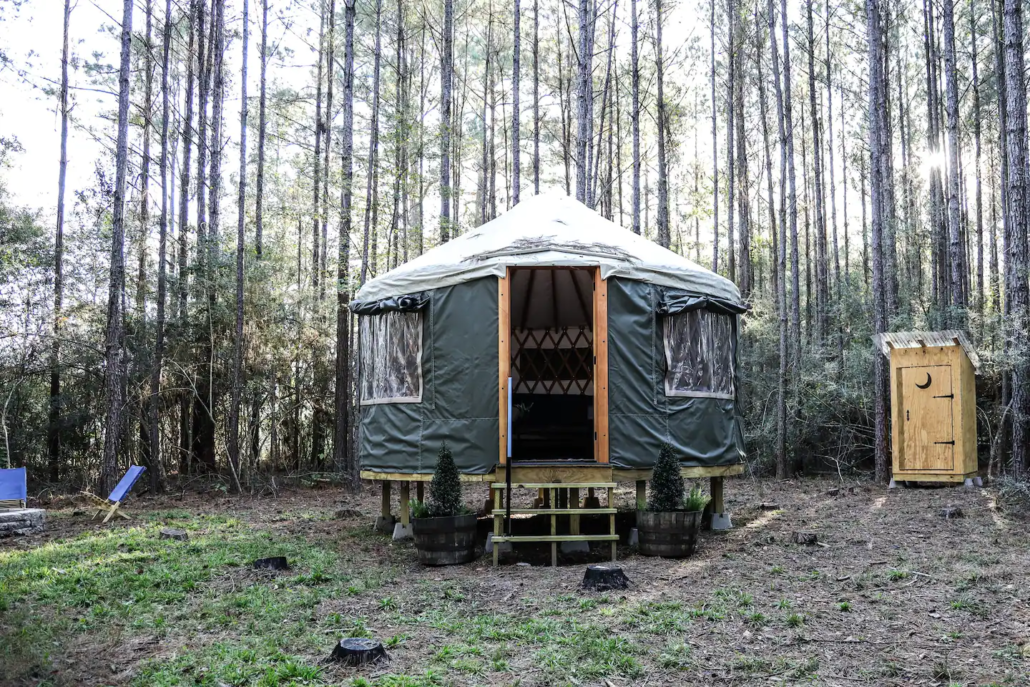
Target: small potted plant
<point>670,525</point>
<point>444,529</point>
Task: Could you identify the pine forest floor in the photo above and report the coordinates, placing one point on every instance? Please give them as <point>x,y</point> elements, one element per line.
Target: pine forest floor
<point>893,595</point>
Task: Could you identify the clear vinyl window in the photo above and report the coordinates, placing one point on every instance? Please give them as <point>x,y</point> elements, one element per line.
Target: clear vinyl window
<point>698,354</point>
<point>391,358</point>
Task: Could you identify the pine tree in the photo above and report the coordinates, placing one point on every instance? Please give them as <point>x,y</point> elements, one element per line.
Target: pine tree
<point>445,489</point>
<point>666,483</point>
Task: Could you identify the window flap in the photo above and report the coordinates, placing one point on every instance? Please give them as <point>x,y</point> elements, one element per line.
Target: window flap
<point>409,303</point>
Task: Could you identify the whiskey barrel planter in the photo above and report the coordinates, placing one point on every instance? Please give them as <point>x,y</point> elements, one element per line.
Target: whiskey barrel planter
<point>445,541</point>
<point>671,534</point>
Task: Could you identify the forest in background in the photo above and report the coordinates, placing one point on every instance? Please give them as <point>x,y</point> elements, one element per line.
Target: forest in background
<point>853,167</point>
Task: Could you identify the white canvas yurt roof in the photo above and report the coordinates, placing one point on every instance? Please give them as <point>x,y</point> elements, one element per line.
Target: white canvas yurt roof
<point>550,229</point>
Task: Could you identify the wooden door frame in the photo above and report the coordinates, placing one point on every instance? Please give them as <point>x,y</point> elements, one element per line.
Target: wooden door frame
<point>600,344</point>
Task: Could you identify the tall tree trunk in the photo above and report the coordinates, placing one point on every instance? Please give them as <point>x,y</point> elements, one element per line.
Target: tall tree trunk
<point>822,287</point>
<point>114,344</point>
<point>746,272</point>
<point>446,77</point>
<point>485,179</point>
<point>185,440</point>
<point>327,136</point>
<point>159,338</point>
<point>372,187</point>
<point>876,103</point>
<point>343,458</point>
<point>144,177</point>
<point>583,95</point>
<point>635,72</point>
<point>1016,232</point>
<point>316,177</point>
<point>715,153</point>
<point>516,49</point>
<point>241,210</point>
<point>792,206</point>
<point>54,418</point>
<point>833,187</point>
<point>844,193</point>
<point>663,172</point>
<point>259,190</point>
<point>136,373</point>
<point>976,144</point>
<point>958,300</point>
<point>731,175</point>
<point>536,96</point>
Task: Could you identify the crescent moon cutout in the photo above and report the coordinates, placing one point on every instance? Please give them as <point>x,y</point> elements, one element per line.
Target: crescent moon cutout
<point>927,385</point>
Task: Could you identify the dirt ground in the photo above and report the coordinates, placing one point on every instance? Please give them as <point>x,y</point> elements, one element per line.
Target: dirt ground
<point>892,594</point>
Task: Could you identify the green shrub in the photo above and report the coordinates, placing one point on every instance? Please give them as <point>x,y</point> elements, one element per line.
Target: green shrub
<point>666,483</point>
<point>418,508</point>
<point>696,499</point>
<point>445,489</point>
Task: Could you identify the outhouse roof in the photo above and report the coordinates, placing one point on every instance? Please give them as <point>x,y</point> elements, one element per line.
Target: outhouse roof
<point>550,229</point>
<point>950,337</point>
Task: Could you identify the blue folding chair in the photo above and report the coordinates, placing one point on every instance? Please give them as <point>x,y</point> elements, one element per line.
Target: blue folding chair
<point>114,501</point>
<point>13,488</point>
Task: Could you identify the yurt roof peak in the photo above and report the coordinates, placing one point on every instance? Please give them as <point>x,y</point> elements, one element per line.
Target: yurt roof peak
<point>550,229</point>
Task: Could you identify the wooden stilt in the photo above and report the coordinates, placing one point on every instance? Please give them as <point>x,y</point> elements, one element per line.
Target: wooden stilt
<point>420,491</point>
<point>554,531</point>
<point>611,520</point>
<point>641,494</point>
<point>405,496</point>
<point>574,504</point>
<point>498,496</point>
<point>717,498</point>
<point>385,512</point>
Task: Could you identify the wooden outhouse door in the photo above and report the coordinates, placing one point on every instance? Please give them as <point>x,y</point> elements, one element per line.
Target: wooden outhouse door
<point>928,424</point>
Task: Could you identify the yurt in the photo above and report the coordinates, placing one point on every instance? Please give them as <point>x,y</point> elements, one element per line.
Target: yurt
<point>553,341</point>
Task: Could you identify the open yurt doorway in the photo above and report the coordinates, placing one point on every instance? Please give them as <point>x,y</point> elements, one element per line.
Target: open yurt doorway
<point>552,364</point>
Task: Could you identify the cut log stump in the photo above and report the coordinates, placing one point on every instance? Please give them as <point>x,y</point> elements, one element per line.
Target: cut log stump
<point>21,522</point>
<point>951,512</point>
<point>273,563</point>
<point>173,533</point>
<point>603,578</point>
<point>806,538</point>
<point>358,651</point>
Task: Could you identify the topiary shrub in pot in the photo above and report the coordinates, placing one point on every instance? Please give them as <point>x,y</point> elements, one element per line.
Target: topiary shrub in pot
<point>444,529</point>
<point>671,524</point>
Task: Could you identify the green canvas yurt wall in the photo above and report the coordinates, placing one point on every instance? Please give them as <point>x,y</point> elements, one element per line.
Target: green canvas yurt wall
<point>460,387</point>
<point>703,431</point>
<point>459,390</point>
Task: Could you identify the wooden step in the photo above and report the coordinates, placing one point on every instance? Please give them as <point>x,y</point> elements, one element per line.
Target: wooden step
<point>556,538</point>
<point>500,512</point>
<point>556,485</point>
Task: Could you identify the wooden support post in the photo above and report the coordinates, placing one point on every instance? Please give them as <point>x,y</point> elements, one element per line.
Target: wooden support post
<point>554,531</point>
<point>716,488</point>
<point>641,495</point>
<point>405,496</point>
<point>611,519</point>
<point>573,504</point>
<point>503,362</point>
<point>386,500</point>
<point>497,523</point>
<point>420,491</point>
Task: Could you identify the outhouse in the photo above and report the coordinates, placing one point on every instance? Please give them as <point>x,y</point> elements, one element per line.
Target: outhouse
<point>933,405</point>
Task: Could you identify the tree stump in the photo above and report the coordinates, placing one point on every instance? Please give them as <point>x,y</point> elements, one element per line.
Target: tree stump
<point>358,651</point>
<point>806,538</point>
<point>950,512</point>
<point>603,578</point>
<point>176,534</point>
<point>21,522</point>
<point>273,563</point>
